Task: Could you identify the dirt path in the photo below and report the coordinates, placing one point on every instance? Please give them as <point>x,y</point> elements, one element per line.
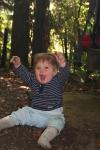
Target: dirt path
<point>82,111</point>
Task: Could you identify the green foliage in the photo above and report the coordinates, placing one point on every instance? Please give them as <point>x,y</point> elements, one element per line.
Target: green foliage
<point>83,14</point>
<point>67,21</point>
<point>62,21</point>
<point>5,22</point>
<point>6,9</point>
<point>66,16</point>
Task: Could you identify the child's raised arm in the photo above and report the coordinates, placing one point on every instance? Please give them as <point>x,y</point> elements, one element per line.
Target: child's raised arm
<point>22,71</point>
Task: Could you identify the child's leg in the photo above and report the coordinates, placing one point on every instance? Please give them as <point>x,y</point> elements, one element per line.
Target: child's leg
<point>47,136</point>
<point>7,122</point>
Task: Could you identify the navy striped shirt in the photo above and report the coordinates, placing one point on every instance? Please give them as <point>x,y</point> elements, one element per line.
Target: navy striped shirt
<point>48,96</point>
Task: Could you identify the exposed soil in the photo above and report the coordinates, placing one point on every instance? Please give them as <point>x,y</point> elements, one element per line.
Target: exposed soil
<point>82,112</point>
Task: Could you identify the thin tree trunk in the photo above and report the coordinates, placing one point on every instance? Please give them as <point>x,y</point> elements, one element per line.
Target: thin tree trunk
<point>4,50</point>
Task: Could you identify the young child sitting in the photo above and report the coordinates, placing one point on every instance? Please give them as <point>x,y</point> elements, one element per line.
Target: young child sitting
<point>47,82</point>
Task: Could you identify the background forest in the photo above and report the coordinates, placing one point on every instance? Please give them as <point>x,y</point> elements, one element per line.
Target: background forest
<point>73,28</point>
<point>69,26</point>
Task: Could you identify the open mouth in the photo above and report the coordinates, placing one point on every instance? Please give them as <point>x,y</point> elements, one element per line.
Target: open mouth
<point>42,77</point>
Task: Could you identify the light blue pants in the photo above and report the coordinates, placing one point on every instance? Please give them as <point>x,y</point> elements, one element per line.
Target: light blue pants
<point>38,118</point>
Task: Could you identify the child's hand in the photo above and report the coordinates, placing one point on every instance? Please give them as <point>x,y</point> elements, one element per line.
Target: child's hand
<point>16,61</point>
<point>61,59</point>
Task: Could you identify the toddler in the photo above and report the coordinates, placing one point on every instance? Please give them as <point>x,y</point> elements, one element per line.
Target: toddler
<point>47,82</point>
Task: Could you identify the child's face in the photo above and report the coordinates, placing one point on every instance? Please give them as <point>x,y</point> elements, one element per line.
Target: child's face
<point>44,72</point>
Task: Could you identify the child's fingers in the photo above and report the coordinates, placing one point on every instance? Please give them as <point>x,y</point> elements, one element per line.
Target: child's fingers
<point>11,60</point>
<point>14,59</point>
<point>59,56</point>
<point>56,54</point>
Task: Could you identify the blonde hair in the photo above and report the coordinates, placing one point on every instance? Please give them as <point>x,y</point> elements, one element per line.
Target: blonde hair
<point>46,57</point>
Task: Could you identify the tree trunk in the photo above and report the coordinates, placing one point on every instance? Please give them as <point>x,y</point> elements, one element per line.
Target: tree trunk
<point>20,30</point>
<point>41,27</point>
<point>4,50</point>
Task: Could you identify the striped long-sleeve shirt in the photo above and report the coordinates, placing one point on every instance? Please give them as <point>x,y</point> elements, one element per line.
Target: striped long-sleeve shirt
<point>48,96</point>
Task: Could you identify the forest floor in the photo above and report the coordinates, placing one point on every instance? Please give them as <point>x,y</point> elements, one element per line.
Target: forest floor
<point>82,112</point>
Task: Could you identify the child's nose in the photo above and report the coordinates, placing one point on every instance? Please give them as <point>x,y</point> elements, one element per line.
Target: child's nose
<point>42,71</point>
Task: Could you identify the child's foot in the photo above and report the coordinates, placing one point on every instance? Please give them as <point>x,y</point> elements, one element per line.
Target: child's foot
<point>47,136</point>
<point>43,142</point>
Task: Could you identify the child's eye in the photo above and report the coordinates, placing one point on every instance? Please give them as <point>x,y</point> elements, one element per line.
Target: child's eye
<point>38,68</point>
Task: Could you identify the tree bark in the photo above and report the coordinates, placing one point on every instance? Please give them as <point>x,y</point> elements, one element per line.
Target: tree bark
<point>4,50</point>
<point>20,30</point>
<point>41,27</point>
